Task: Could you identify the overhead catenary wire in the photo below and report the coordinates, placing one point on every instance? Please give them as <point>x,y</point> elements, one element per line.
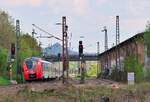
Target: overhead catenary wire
<point>46,32</point>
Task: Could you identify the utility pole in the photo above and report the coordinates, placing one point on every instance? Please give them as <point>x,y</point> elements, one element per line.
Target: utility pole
<point>117,43</point>
<point>106,47</point>
<point>65,57</point>
<point>18,49</point>
<point>106,38</point>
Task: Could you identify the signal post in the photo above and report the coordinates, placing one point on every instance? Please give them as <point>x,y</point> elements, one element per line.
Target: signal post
<point>12,59</point>
<point>82,64</point>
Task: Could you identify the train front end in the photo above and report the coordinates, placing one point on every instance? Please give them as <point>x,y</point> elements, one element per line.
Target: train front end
<point>32,69</point>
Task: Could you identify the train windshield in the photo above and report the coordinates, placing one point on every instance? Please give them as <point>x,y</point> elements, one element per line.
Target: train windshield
<point>30,63</point>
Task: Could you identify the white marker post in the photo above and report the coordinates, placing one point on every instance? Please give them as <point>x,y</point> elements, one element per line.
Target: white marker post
<point>131,78</point>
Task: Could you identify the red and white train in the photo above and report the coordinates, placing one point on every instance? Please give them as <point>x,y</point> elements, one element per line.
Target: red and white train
<point>35,68</point>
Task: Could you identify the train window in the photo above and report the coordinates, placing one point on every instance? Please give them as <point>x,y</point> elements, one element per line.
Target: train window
<point>46,66</point>
<point>30,64</point>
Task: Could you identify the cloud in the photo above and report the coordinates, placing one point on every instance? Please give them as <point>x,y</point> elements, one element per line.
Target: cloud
<point>138,7</point>
<point>15,3</point>
<point>69,6</point>
<point>102,1</point>
<point>134,25</point>
<point>80,6</point>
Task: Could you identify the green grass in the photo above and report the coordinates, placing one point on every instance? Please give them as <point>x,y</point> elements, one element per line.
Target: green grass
<point>4,81</point>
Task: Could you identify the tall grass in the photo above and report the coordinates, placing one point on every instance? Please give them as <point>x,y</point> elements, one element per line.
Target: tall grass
<point>4,81</point>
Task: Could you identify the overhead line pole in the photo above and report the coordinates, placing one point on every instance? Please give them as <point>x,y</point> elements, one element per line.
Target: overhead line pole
<point>117,43</point>
<point>98,63</point>
<point>65,57</point>
<point>106,38</point>
<point>18,49</point>
<point>106,46</point>
<point>117,31</point>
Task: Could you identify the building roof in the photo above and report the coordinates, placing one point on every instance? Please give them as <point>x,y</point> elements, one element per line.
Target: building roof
<point>122,43</point>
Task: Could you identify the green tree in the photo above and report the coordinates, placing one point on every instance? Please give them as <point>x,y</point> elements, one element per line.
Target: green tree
<point>3,60</point>
<point>7,30</point>
<point>147,45</point>
<point>147,37</point>
<point>147,27</point>
<point>147,42</point>
<point>29,47</point>
<point>7,36</point>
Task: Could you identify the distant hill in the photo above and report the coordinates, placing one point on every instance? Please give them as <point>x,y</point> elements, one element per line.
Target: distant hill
<point>55,49</point>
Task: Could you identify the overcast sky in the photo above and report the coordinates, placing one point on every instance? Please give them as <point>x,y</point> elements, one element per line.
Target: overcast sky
<point>84,18</point>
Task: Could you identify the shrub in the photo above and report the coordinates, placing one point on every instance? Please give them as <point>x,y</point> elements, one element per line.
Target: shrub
<point>3,60</point>
<point>131,64</point>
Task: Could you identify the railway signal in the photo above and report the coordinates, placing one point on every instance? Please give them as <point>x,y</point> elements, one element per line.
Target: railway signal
<point>82,64</point>
<point>80,49</point>
<point>13,51</point>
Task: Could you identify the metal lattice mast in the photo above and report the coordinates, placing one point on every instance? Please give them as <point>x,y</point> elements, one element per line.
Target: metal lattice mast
<point>65,49</point>
<point>18,48</point>
<point>117,31</point>
<point>117,43</point>
<point>106,38</point>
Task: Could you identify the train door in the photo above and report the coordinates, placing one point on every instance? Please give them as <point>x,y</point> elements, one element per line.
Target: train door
<point>45,70</point>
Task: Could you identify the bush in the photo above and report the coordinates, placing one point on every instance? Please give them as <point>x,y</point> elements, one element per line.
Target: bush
<point>93,70</point>
<point>131,64</point>
<point>4,81</point>
<point>3,61</point>
<point>147,42</point>
<point>147,77</point>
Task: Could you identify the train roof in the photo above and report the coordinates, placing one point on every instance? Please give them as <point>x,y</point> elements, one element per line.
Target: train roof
<point>45,61</point>
<point>33,58</point>
<point>37,59</point>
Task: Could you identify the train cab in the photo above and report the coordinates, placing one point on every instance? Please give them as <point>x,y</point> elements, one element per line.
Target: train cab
<point>36,68</point>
